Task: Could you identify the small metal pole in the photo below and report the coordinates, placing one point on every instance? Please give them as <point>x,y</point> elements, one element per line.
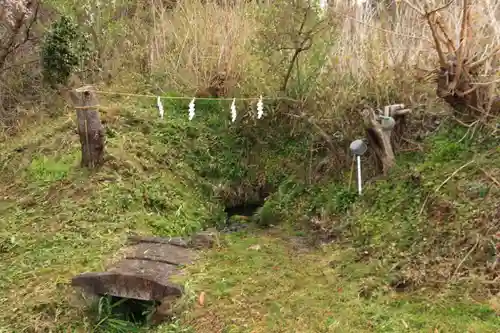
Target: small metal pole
<point>358,148</point>
<point>358,158</point>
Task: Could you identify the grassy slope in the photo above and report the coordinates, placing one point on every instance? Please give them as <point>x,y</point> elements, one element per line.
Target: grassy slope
<point>281,288</point>
<point>57,221</point>
<point>441,255</point>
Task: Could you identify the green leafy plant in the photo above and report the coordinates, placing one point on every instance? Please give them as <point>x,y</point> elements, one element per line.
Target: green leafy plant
<point>63,50</point>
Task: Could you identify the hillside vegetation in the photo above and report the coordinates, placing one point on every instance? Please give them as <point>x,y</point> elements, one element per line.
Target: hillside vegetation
<point>416,252</point>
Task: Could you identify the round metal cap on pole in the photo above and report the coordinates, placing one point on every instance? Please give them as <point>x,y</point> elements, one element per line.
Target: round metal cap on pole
<point>358,148</point>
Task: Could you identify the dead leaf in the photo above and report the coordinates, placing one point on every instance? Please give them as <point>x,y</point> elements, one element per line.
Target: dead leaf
<point>201,298</point>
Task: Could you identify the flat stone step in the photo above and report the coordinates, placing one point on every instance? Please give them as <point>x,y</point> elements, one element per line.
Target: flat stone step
<point>165,253</point>
<point>145,271</point>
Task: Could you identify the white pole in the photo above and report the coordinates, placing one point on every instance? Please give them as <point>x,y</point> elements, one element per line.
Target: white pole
<point>358,158</point>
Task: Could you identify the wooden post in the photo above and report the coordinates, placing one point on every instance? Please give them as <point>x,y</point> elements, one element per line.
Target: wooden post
<point>90,129</point>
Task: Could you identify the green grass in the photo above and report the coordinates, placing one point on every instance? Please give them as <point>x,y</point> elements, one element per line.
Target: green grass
<point>282,287</point>
<point>173,177</point>
<point>394,269</point>
<point>163,177</point>
<point>58,220</point>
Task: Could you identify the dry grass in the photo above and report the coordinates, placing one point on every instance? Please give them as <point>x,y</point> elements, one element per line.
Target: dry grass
<point>193,42</point>
<point>373,57</point>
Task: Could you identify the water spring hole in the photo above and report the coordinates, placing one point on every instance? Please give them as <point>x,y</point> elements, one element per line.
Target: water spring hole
<point>239,217</point>
<point>112,313</point>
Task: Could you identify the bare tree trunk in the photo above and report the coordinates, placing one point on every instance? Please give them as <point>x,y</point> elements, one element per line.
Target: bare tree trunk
<point>90,129</point>
<point>458,75</point>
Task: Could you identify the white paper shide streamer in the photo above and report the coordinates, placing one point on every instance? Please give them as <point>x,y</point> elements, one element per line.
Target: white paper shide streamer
<point>160,107</point>
<point>260,108</point>
<point>233,110</point>
<point>191,109</point>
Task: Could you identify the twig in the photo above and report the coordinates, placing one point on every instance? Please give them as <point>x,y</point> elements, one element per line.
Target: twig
<point>493,179</point>
<point>443,183</point>
<point>304,45</point>
<point>466,256</point>
<point>469,127</point>
<point>446,5</point>
<point>464,124</point>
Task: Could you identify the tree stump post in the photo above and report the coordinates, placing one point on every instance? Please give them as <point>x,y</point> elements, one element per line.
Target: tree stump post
<point>90,129</point>
<point>379,130</point>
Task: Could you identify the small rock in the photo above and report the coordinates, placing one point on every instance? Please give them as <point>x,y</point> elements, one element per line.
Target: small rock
<point>205,239</point>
